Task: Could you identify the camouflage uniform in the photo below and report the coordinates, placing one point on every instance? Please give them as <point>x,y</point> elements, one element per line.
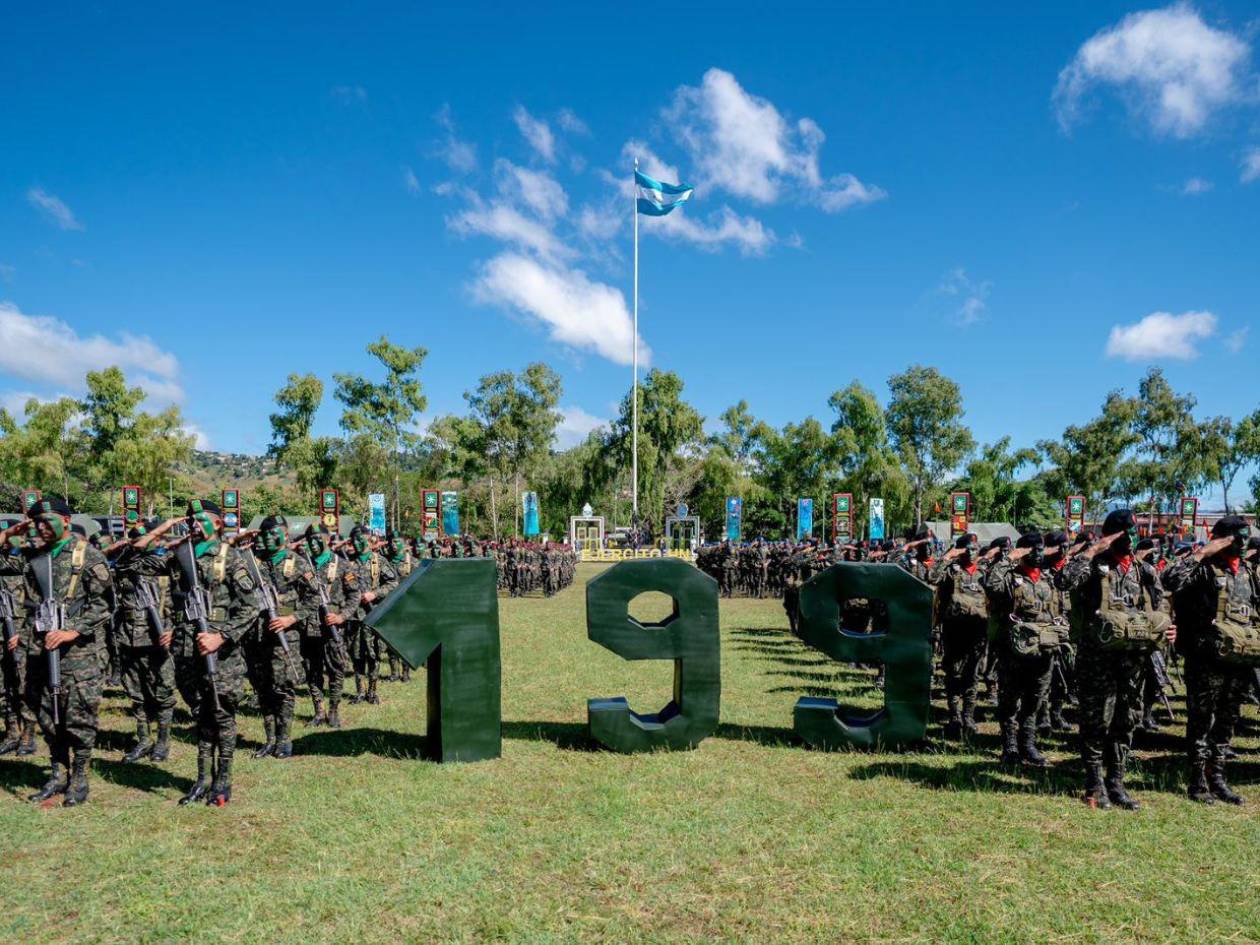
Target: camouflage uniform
<point>148,671</point>
<point>277,671</point>
<point>1024,597</point>
<point>367,572</point>
<point>324,657</point>
<point>81,582</point>
<point>1205,592</point>
<point>19,720</point>
<point>399,671</point>
<point>1109,682</point>
<point>964,636</point>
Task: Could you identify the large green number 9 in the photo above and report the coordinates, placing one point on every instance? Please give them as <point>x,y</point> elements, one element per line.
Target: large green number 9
<point>689,637</point>
<point>446,615</point>
<point>905,650</point>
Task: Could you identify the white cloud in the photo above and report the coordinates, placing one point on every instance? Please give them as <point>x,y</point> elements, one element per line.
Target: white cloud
<point>972,296</point>
<point>349,94</point>
<point>1236,339</point>
<point>15,402</point>
<point>200,440</point>
<point>506,223</point>
<point>742,144</point>
<point>54,208</point>
<point>537,132</point>
<point>575,426</point>
<point>535,190</point>
<point>1251,166</point>
<point>597,223</point>
<point>570,122</point>
<point>46,350</point>
<point>410,181</point>
<point>459,155</point>
<point>1195,186</point>
<point>1173,69</point>
<point>1161,335</point>
<point>578,312</point>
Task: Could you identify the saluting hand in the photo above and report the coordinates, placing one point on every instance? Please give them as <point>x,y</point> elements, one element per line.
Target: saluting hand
<point>1214,547</point>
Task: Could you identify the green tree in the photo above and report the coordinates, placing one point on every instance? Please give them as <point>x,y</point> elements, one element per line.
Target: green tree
<point>387,411</point>
<point>868,463</point>
<point>1088,460</point>
<point>925,421</point>
<point>1165,461</point>
<point>800,461</point>
<point>41,452</point>
<point>148,456</point>
<point>313,460</point>
<point>1225,448</point>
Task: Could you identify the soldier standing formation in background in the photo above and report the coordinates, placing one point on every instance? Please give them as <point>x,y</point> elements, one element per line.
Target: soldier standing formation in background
<point>323,646</point>
<point>19,720</point>
<point>964,628</point>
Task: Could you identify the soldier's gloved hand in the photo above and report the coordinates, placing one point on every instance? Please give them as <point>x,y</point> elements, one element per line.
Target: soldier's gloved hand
<point>282,623</point>
<point>208,643</point>
<point>56,638</point>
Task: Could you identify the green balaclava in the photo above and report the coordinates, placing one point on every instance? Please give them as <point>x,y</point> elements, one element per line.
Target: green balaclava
<point>361,541</point>
<point>202,527</point>
<point>317,545</point>
<point>274,534</point>
<point>54,513</point>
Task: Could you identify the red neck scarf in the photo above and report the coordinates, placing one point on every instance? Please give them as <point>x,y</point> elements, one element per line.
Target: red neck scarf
<point>1232,562</point>
<point>1123,564</point>
<point>1033,574</point>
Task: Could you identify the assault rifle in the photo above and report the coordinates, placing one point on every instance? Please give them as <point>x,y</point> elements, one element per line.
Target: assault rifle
<point>196,611</point>
<point>269,605</point>
<point>49,616</point>
<point>8,616</point>
<point>1162,682</point>
<point>324,610</point>
<point>152,613</point>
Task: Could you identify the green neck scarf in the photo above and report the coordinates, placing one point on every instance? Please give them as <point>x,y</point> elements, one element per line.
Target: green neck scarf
<point>209,546</point>
<point>56,548</point>
<point>324,557</point>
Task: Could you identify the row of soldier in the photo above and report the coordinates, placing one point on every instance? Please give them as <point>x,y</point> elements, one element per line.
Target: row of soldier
<point>200,615</point>
<point>1093,620</point>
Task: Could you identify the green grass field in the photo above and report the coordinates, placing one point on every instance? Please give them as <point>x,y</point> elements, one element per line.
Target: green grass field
<point>750,838</point>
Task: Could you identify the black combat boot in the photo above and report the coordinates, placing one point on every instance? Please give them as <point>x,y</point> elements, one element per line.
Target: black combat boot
<point>1010,745</point>
<point>1057,721</point>
<point>1095,796</point>
<point>969,730</point>
<point>269,730</point>
<point>57,782</point>
<point>1216,784</point>
<point>953,726</point>
<point>221,791</point>
<point>1028,752</point>
<point>372,697</point>
<point>77,792</point>
<point>284,744</point>
<point>162,748</point>
<point>405,676</point>
<point>143,747</point>
<point>1043,720</point>
<point>334,715</point>
<point>1197,784</point>
<point>205,756</point>
<point>1117,760</point>
<point>319,718</point>
<point>1148,721</point>
<point>27,745</point>
<point>358,690</point>
<point>12,736</point>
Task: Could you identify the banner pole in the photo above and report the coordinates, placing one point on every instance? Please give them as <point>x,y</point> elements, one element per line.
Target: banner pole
<point>634,341</point>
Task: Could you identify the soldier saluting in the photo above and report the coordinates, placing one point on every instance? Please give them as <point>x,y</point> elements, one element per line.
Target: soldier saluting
<point>67,608</point>
<point>1215,596</point>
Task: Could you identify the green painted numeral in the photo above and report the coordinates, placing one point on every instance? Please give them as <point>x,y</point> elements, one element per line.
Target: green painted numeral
<point>445,615</point>
<point>689,637</point>
<point>905,650</point>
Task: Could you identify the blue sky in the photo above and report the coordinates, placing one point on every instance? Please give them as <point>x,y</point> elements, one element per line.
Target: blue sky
<point>1012,194</point>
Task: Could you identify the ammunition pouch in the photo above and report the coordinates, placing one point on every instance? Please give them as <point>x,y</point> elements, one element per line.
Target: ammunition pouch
<point>1132,631</point>
<point>1234,636</point>
<point>1030,640</point>
<point>966,605</point>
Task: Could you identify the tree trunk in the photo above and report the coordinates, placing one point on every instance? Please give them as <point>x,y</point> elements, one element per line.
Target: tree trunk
<point>494,511</point>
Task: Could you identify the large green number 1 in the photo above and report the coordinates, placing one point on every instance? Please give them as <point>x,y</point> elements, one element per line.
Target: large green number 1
<point>905,650</point>
<point>446,615</point>
<point>689,637</point>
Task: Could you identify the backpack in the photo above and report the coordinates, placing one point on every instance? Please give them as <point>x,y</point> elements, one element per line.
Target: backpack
<point>1234,636</point>
<point>1115,627</point>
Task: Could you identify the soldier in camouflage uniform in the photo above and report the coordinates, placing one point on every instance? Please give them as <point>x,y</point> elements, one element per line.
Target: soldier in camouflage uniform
<point>400,556</point>
<point>215,572</point>
<point>367,580</point>
<point>297,599</point>
<point>144,655</point>
<point>964,630</point>
<point>64,570</point>
<point>19,720</point>
<point>1063,671</point>
<point>323,646</point>
<point>1116,620</point>
<point>1214,591</point>
<point>1031,627</point>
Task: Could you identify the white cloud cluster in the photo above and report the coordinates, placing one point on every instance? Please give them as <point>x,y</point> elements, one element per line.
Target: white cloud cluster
<point>1251,166</point>
<point>575,426</point>
<point>972,296</point>
<point>1195,186</point>
<point>1173,70</point>
<point>54,208</point>
<point>537,132</point>
<point>45,350</point>
<point>459,155</point>
<point>1162,335</point>
<point>742,144</point>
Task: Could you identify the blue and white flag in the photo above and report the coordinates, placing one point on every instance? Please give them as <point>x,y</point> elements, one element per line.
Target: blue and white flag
<point>657,199</point>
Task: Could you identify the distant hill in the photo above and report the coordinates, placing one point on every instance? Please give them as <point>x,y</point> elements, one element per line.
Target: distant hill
<point>208,472</point>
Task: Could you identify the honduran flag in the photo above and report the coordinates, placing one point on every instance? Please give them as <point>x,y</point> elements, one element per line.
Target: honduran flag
<point>657,199</point>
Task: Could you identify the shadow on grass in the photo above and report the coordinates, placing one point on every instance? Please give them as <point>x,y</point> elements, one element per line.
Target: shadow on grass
<point>574,736</point>
<point>141,776</point>
<point>352,742</point>
<point>19,777</point>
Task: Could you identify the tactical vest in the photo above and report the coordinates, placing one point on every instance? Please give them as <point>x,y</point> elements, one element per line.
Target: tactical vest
<point>1038,625</point>
<point>1234,636</point>
<point>1121,624</point>
<point>967,600</point>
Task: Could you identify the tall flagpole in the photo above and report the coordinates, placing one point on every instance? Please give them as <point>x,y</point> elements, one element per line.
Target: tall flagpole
<point>634,341</point>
